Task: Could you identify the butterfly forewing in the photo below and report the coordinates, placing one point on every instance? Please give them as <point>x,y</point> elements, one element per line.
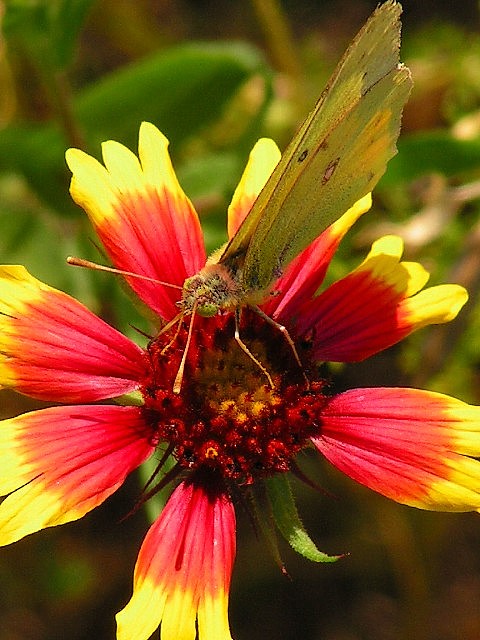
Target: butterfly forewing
<point>348,165</point>
<point>337,156</point>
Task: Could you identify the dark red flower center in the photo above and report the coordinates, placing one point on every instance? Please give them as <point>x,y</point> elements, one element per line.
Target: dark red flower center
<point>227,417</point>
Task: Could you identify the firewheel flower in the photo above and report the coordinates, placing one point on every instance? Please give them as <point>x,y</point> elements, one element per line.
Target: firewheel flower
<point>228,431</point>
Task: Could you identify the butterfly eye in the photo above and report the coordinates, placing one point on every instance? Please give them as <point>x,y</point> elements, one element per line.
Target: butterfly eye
<point>207,310</point>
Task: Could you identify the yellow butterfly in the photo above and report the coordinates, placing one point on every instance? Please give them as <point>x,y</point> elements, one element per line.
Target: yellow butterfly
<point>337,156</point>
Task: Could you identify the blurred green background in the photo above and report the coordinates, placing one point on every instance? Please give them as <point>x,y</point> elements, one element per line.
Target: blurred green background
<point>214,76</point>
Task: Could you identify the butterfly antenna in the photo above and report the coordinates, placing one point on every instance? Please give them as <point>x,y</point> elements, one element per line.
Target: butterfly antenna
<point>177,385</point>
<point>80,262</point>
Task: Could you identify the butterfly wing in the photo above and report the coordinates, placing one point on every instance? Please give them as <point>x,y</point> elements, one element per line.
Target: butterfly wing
<point>337,156</point>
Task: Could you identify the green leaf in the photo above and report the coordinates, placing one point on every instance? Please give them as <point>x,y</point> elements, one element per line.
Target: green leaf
<point>154,505</point>
<point>27,18</point>
<point>182,91</point>
<point>210,174</point>
<point>431,152</point>
<point>66,27</point>
<point>210,181</point>
<point>46,29</point>
<point>288,521</point>
<point>29,234</point>
<point>37,152</point>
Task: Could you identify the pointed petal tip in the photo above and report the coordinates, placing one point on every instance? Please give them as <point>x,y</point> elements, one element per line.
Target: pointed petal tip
<point>183,570</point>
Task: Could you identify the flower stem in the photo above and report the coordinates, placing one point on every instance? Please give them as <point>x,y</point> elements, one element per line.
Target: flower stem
<point>278,36</point>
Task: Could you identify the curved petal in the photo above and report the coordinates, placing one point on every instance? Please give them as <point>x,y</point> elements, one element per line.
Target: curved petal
<point>183,570</point>
<point>59,463</point>
<point>375,306</point>
<point>415,447</point>
<point>54,348</point>
<point>305,274</point>
<point>262,161</point>
<point>144,219</point>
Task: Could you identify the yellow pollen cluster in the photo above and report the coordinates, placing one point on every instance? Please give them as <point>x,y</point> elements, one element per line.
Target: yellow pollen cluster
<point>242,407</point>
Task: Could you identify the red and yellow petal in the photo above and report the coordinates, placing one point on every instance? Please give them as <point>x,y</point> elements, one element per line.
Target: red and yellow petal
<point>306,272</point>
<point>182,575</point>
<point>57,464</point>
<point>144,219</point>
<point>54,348</point>
<point>415,447</point>
<point>376,306</point>
<point>262,161</point>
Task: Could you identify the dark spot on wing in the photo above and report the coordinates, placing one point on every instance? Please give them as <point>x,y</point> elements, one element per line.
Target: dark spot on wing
<point>323,145</point>
<point>330,170</point>
<point>302,156</point>
<point>278,271</point>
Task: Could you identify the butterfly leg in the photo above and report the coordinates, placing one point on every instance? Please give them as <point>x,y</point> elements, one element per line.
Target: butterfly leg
<point>284,331</point>
<point>177,385</point>
<point>178,318</point>
<point>247,351</point>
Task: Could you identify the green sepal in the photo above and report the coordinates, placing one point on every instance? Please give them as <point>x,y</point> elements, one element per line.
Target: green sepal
<point>154,505</point>
<point>288,521</point>
<point>134,398</point>
<point>261,511</point>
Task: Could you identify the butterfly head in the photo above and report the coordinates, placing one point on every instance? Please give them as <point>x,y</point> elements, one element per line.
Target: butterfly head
<point>211,290</point>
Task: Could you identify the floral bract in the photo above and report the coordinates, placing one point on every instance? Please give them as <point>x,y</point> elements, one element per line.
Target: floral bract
<point>228,429</point>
